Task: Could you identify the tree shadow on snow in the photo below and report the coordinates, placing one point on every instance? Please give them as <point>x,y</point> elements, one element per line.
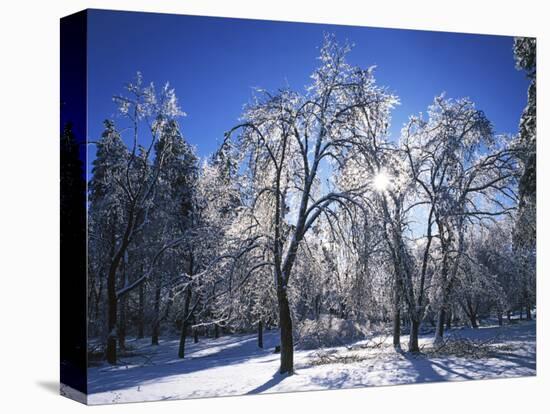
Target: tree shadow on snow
<point>425,371</point>
<point>334,380</point>
<point>423,367</point>
<point>166,364</point>
<point>525,361</point>
<point>276,379</point>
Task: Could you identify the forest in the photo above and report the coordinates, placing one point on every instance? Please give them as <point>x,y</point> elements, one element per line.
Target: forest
<point>310,226</point>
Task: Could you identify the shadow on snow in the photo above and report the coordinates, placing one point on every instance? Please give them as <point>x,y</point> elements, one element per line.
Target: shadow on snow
<point>164,363</point>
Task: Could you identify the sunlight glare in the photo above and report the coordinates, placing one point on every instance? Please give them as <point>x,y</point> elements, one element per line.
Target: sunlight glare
<point>381,181</point>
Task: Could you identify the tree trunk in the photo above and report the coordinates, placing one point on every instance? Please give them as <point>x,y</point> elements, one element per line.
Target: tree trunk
<point>413,336</point>
<point>317,307</point>
<point>216,331</point>
<point>122,308</point>
<point>396,315</point>
<point>195,332</point>
<point>499,316</point>
<point>121,330</point>
<point>186,316</point>
<point>112,299</point>
<point>449,320</point>
<point>155,334</point>
<point>260,334</point>
<point>285,325</point>
<point>521,312</point>
<point>509,316</point>
<point>141,311</point>
<point>112,316</point>
<point>528,311</point>
<point>183,336</point>
<point>156,321</point>
<point>473,321</point>
<point>396,328</point>
<point>439,327</point>
<point>446,288</point>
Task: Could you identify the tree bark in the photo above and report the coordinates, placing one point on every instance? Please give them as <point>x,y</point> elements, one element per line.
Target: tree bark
<point>413,336</point>
<point>260,334</point>
<point>156,322</point>
<point>447,276</point>
<point>195,332</point>
<point>186,305</point>
<point>439,327</point>
<point>396,328</point>
<point>121,330</point>
<point>317,307</point>
<point>110,353</point>
<point>521,312</point>
<point>449,320</point>
<point>141,311</point>
<point>396,314</point>
<point>183,336</point>
<point>285,324</point>
<point>112,299</point>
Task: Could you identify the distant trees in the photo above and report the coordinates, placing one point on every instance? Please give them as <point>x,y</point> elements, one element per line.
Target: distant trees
<point>308,209</point>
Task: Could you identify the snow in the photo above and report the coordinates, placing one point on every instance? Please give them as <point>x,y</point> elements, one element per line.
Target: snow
<point>234,365</point>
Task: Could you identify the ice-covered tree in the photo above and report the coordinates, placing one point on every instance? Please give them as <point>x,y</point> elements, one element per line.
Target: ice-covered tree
<point>134,180</point>
<point>287,137</point>
<point>466,176</point>
<point>525,52</point>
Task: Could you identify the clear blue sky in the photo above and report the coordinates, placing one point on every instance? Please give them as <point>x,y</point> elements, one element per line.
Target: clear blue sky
<point>213,63</point>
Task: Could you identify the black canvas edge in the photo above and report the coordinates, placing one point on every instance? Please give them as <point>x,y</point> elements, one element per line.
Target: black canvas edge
<point>73,219</point>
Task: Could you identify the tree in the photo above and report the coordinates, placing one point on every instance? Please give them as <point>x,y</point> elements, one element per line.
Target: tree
<point>173,216</point>
<point>465,174</point>
<point>525,53</point>
<point>286,136</point>
<point>480,275</point>
<point>106,214</point>
<point>134,180</point>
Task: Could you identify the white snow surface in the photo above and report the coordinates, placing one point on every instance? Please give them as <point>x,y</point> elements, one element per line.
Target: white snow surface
<point>234,365</point>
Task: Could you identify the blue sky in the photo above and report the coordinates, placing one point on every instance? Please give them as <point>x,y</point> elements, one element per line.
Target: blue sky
<point>213,63</point>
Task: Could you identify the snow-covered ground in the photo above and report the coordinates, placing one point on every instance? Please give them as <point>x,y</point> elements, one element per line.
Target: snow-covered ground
<point>234,365</point>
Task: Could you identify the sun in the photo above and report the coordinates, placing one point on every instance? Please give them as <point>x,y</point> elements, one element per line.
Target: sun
<point>381,181</point>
